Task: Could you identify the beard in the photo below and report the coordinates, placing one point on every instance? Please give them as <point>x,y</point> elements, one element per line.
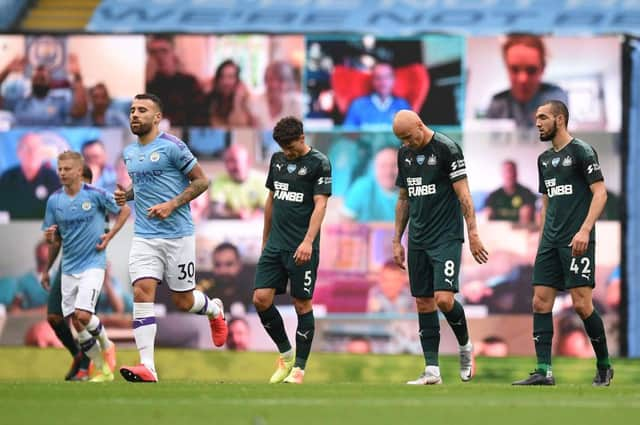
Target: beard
<point>550,135</point>
<point>40,90</point>
<point>141,129</point>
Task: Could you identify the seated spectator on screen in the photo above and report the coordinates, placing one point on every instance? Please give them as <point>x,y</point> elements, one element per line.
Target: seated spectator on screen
<point>280,99</point>
<point>45,106</point>
<point>102,112</point>
<point>24,189</point>
<point>373,196</point>
<point>179,91</point>
<point>30,296</point>
<point>228,102</point>
<point>239,336</point>
<point>239,192</point>
<point>525,58</point>
<point>391,293</point>
<point>379,107</point>
<point>95,156</point>
<point>231,279</point>
<point>512,201</point>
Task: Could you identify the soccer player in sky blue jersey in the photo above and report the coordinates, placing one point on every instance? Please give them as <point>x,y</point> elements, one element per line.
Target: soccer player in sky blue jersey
<point>434,197</point>
<point>166,177</point>
<point>76,212</point>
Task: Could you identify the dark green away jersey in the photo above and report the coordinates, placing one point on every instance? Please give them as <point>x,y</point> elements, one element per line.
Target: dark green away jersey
<point>565,177</point>
<point>294,184</point>
<point>435,215</point>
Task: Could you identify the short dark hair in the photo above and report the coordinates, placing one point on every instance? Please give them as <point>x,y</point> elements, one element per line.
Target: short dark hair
<point>90,143</point>
<point>558,108</point>
<point>287,130</point>
<point>227,246</point>
<point>87,174</point>
<point>152,97</point>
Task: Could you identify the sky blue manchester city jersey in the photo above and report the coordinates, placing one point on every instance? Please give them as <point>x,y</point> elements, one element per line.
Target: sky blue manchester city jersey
<point>159,171</point>
<point>80,221</point>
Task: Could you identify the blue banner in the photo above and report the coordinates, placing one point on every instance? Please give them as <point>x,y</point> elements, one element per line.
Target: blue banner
<point>379,17</point>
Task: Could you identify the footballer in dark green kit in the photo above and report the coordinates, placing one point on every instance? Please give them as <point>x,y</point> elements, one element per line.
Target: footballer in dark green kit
<point>433,199</point>
<point>573,197</point>
<point>299,184</point>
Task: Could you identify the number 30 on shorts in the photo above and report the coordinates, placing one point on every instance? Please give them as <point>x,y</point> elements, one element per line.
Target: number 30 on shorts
<point>186,270</point>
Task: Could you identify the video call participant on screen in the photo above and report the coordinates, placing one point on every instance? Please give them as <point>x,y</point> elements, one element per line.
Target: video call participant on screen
<point>524,57</point>
<point>511,201</point>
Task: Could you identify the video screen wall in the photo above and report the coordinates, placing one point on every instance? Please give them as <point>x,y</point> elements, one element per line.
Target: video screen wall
<point>223,95</point>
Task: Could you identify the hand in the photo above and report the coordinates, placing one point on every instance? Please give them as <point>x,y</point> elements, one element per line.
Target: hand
<point>303,253</point>
<point>44,280</point>
<point>579,243</point>
<point>398,254</point>
<point>73,65</point>
<point>478,251</point>
<point>120,195</point>
<point>104,241</point>
<point>51,234</point>
<point>162,210</point>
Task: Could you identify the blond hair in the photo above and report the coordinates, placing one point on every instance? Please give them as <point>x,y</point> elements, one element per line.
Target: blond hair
<point>71,155</point>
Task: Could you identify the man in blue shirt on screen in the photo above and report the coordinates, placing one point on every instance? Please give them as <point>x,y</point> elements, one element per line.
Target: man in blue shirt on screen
<point>166,177</point>
<point>76,212</point>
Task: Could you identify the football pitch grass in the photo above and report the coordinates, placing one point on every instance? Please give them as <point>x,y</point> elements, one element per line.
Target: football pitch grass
<point>229,388</point>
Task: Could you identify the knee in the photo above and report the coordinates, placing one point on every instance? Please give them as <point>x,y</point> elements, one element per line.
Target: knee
<point>425,305</point>
<point>302,306</point>
<point>444,301</point>
<point>82,317</point>
<point>183,303</point>
<point>541,305</point>
<point>584,308</point>
<point>261,300</point>
<point>54,320</point>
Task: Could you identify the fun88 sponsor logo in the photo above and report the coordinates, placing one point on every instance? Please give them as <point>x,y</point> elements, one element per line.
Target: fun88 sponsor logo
<point>282,193</point>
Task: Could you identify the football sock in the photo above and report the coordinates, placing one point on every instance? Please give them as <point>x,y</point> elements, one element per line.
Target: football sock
<point>458,322</point>
<point>96,329</point>
<point>304,337</point>
<point>144,331</point>
<point>595,329</point>
<point>429,336</point>
<point>273,324</point>
<point>203,305</point>
<point>542,337</point>
<point>66,337</point>
<point>91,348</point>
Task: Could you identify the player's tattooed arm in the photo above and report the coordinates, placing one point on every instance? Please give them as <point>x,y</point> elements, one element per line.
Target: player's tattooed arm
<point>401,220</point>
<point>199,183</point>
<point>461,187</point>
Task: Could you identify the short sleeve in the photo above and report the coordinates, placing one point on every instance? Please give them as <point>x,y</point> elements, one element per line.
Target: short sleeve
<point>181,157</point>
<point>590,166</point>
<point>269,184</point>
<point>49,216</point>
<point>455,167</point>
<point>322,185</point>
<point>400,180</point>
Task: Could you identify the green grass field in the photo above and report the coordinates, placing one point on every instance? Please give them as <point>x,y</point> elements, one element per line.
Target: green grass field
<point>228,388</point>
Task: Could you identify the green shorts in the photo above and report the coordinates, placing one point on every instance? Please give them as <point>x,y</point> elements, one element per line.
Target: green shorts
<point>555,267</point>
<point>434,269</point>
<point>276,268</point>
<point>54,302</point>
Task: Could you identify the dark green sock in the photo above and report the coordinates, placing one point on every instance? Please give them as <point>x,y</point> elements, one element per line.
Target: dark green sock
<point>66,337</point>
<point>429,336</point>
<point>458,322</point>
<point>595,329</point>
<point>542,337</point>
<point>273,324</point>
<point>304,337</point>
